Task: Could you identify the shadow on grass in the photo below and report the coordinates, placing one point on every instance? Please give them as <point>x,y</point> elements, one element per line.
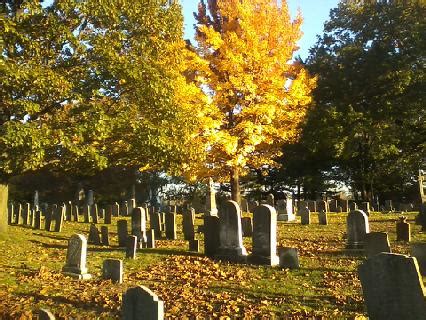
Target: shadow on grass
<point>49,245</point>
<point>171,252</point>
<point>51,236</point>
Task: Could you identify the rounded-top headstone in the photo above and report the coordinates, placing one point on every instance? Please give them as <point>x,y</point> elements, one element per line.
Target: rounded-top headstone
<point>357,227</point>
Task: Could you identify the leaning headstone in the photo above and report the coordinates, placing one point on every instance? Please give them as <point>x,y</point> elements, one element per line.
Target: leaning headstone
<point>122,232</point>
<point>305,216</point>
<point>264,236</point>
<point>322,218</point>
<point>194,245</point>
<point>375,243</point>
<point>131,245</point>
<point>44,314</point>
<point>188,221</point>
<point>288,258</point>
<point>418,250</point>
<point>211,208</point>
<point>170,224</point>
<point>151,239</point>
<point>112,269</point>
<point>247,226</point>
<point>211,235</point>
<point>357,227</point>
<point>59,218</point>
<point>76,258</point>
<point>230,233</point>
<point>94,237</point>
<point>139,225</point>
<point>104,236</point>
<point>403,230</point>
<point>140,303</point>
<point>37,220</point>
<point>392,287</point>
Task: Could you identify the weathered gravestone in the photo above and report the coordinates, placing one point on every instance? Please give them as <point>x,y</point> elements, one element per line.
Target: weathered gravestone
<point>44,314</point>
<point>270,199</point>
<point>418,250</point>
<point>112,269</point>
<point>139,225</point>
<point>76,258</point>
<point>247,226</point>
<point>124,209</point>
<point>59,218</point>
<point>188,221</point>
<point>104,236</point>
<point>288,258</point>
<point>86,214</point>
<point>230,233</point>
<point>115,209</point>
<point>170,225</point>
<point>322,206</point>
<point>108,215</point>
<point>375,243</point>
<point>48,218</point>
<point>155,223</point>
<point>264,236</point>
<point>140,303</point>
<point>37,220</point>
<point>151,239</point>
<point>68,210</point>
<point>211,235</point>
<point>388,205</point>
<point>94,235</point>
<point>131,245</point>
<point>211,208</point>
<point>244,205</point>
<point>26,214</point>
<point>94,213</point>
<point>344,204</point>
<point>122,232</point>
<point>357,227</point>
<point>392,287</point>
<point>10,213</point>
<point>305,216</point>
<point>403,230</point>
<point>322,218</point>
<point>194,245</point>
<point>75,213</point>
<point>285,209</point>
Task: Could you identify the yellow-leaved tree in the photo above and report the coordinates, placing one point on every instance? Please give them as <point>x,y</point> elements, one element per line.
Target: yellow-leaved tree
<point>259,95</point>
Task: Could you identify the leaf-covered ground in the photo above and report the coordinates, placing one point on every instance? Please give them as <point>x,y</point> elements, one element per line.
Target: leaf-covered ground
<point>190,284</point>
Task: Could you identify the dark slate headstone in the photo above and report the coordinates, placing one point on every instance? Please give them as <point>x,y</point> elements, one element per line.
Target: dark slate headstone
<point>59,218</point>
<point>112,269</point>
<point>403,230</point>
<point>140,303</point>
<point>392,287</point>
<point>115,209</point>
<point>155,223</point>
<point>188,221</point>
<point>375,243</point>
<point>75,265</point>
<point>170,224</point>
<point>194,245</point>
<point>344,204</point>
<point>151,239</point>
<point>48,219</point>
<point>418,250</point>
<point>289,258</point>
<point>323,218</point>
<point>44,314</point>
<point>94,213</point>
<point>131,245</point>
<point>10,213</point>
<point>305,216</point>
<point>108,215</point>
<point>37,220</point>
<point>322,206</point>
<point>264,236</point>
<point>75,213</point>
<point>86,214</point>
<point>94,237</point>
<point>104,236</point>
<point>122,232</point>
<point>357,227</point>
<point>139,224</point>
<point>247,226</point>
<point>26,214</point>
<point>211,235</point>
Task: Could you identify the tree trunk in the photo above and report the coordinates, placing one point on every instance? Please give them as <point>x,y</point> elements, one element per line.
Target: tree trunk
<point>235,185</point>
<point>4,192</point>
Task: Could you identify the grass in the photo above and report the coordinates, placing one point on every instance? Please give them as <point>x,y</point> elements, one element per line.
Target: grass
<point>326,285</point>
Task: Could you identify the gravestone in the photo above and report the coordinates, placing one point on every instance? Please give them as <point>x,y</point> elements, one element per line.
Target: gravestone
<point>94,213</point>
<point>211,208</point>
<point>288,258</point>
<point>10,213</point>
<point>48,218</point>
<point>365,206</point>
<point>247,226</point>
<point>26,214</point>
<point>94,237</point>
<point>37,220</point>
<point>375,243</point>
<point>244,205</point>
<point>131,245</point>
<point>19,213</point>
<point>270,199</point>
<point>151,239</point>
<point>388,206</point>
<point>357,227</point>
<point>353,206</point>
<point>252,205</point>
<point>108,215</point>
<point>86,214</point>
<point>392,287</point>
<point>115,209</point>
<point>122,232</point>
<point>418,250</point>
<point>305,216</point>
<point>112,269</point>
<point>155,223</point>
<point>194,245</point>
<point>230,233</point>
<point>344,204</point>
<point>90,198</point>
<point>264,236</point>
<point>68,210</point>
<point>170,225</point>
<point>139,225</point>
<point>75,213</point>
<point>104,236</point>
<point>44,314</point>
<point>76,258</point>
<point>322,206</point>
<point>124,209</point>
<point>140,303</point>
<point>332,205</point>
<point>323,218</point>
<point>59,218</point>
<point>285,209</point>
<point>312,206</point>
<point>211,235</point>
<point>188,222</point>
<point>403,230</point>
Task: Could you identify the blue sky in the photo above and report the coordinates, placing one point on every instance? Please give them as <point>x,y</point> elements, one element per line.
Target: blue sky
<point>314,12</point>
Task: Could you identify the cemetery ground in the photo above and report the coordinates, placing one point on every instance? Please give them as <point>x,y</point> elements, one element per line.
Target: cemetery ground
<point>326,285</point>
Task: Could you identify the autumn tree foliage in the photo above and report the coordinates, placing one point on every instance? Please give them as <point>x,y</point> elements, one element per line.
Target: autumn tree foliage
<point>258,94</point>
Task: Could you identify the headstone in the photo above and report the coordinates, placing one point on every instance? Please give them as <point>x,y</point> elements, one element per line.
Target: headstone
<point>312,206</point>
<point>76,258</point>
<point>59,218</point>
<point>26,214</point>
<point>285,209</point>
<point>139,225</point>
<point>170,225</point>
<point>112,269</point>
<point>388,206</point>
<point>418,250</point>
<point>230,233</point>
<point>48,218</point>
<point>108,215</point>
<point>357,227</point>
<point>132,204</point>
<point>270,199</point>
<point>244,205</point>
<point>344,204</point>
<point>155,223</point>
<point>375,243</point>
<point>115,209</point>
<point>264,236</point>
<point>322,206</point>
<point>19,213</point>
<point>104,236</point>
<point>194,245</point>
<point>44,314</point>
<point>90,198</point>
<point>151,239</point>
<point>94,237</point>
<point>247,226</point>
<point>75,213</point>
<point>288,258</point>
<point>392,287</point>
<point>37,220</point>
<point>211,208</point>
<point>353,206</point>
<point>211,235</point>
<point>332,205</point>
<point>323,218</point>
<point>124,209</point>
<point>305,216</point>
<point>10,213</point>
<point>188,222</point>
<point>122,232</point>
<point>68,211</point>
<point>86,214</point>
<point>36,199</point>
<point>252,205</point>
<point>94,213</point>
<point>403,230</point>
<point>140,303</point>
<point>365,206</point>
<point>131,245</point>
